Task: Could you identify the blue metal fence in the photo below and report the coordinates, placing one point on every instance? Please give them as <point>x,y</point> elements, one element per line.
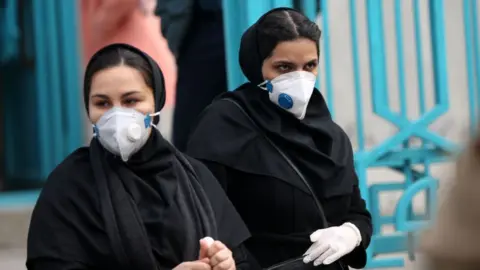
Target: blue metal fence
<point>412,161</point>
<point>39,69</point>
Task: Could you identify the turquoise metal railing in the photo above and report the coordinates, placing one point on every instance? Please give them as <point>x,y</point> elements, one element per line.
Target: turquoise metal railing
<point>470,15</point>
<point>41,89</point>
<point>396,152</point>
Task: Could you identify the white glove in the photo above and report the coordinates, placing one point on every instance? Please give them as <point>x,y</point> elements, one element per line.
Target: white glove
<point>332,243</point>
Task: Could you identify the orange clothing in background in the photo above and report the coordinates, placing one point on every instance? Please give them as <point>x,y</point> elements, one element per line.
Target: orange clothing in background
<point>123,21</point>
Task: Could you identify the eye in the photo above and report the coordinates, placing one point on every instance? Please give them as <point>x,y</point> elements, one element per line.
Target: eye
<point>311,65</point>
<point>102,104</point>
<point>284,68</point>
<point>130,101</point>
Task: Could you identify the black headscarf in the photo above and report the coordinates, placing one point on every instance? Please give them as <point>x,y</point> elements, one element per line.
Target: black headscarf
<point>316,145</point>
<point>154,209</point>
<point>254,48</point>
<point>157,74</point>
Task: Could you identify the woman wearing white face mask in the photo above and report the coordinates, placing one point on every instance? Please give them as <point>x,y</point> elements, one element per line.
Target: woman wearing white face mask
<point>130,200</point>
<point>286,166</point>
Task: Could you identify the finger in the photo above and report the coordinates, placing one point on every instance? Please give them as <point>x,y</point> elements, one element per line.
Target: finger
<point>322,257</point>
<point>309,250</point>
<point>220,257</point>
<point>215,247</point>
<point>197,265</point>
<point>225,265</point>
<point>316,252</point>
<point>332,258</point>
<point>205,260</point>
<point>205,244</point>
<point>316,235</point>
<point>312,247</point>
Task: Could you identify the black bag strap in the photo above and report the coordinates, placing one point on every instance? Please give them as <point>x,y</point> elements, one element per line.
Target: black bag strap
<point>287,159</point>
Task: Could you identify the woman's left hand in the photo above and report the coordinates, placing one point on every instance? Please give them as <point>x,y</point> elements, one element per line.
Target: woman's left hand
<point>332,243</point>
<point>221,257</point>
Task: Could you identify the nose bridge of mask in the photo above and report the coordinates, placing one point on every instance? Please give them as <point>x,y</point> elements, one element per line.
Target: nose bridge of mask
<point>116,112</point>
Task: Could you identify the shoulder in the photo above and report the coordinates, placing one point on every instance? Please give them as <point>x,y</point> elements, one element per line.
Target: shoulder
<point>220,107</point>
<point>202,171</point>
<point>69,193</point>
<point>72,176</point>
<point>66,213</point>
<point>220,123</point>
<point>207,179</point>
<point>223,116</point>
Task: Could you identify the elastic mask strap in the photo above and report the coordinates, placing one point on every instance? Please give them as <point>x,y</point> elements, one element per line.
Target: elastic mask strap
<point>95,130</point>
<point>266,85</point>
<point>149,119</point>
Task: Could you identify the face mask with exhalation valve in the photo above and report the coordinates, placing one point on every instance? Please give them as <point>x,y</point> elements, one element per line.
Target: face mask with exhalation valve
<point>123,131</point>
<point>291,91</point>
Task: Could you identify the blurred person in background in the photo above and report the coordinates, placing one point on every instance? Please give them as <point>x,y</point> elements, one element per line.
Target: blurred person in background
<point>453,240</point>
<point>132,22</point>
<point>194,31</point>
<point>285,164</point>
<point>130,200</point>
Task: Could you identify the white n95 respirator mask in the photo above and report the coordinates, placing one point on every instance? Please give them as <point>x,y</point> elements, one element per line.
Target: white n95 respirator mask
<point>123,131</point>
<point>291,91</point>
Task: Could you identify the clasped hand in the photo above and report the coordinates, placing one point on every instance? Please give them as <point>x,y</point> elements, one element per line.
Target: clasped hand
<point>332,243</point>
<point>213,255</point>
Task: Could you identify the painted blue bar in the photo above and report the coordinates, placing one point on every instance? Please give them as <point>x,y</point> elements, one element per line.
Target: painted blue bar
<point>282,3</point>
<point>255,9</point>
<point>41,63</point>
<point>476,50</point>
<point>53,106</point>
<point>437,18</point>
<point>377,58</point>
<point>70,73</point>
<point>467,23</point>
<point>309,8</point>
<point>232,41</point>
<point>357,77</point>
<point>327,56</point>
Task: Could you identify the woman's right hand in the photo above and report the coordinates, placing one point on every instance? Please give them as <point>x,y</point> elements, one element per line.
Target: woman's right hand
<point>195,265</point>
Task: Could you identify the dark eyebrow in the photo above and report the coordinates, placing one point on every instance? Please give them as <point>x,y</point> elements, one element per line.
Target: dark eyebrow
<point>99,96</point>
<point>283,62</point>
<point>123,96</point>
<point>130,93</point>
<point>312,61</point>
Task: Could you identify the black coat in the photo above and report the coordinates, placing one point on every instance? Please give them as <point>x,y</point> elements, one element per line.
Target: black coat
<point>69,229</point>
<point>267,192</point>
<point>281,217</point>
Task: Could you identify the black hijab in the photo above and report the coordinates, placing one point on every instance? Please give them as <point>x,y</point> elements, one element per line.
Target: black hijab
<point>153,209</point>
<point>316,145</point>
